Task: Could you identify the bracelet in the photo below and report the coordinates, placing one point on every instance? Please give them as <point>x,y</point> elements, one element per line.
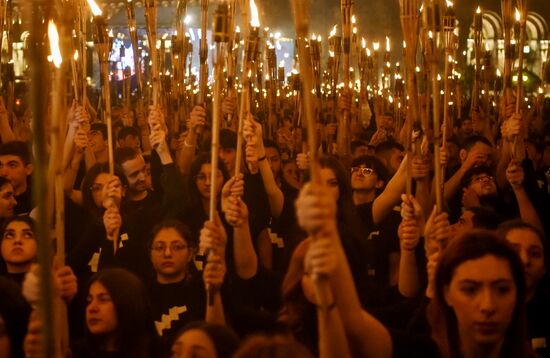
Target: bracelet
<point>327,308</point>
<point>262,158</point>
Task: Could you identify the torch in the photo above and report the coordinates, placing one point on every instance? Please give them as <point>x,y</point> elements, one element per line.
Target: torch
<point>409,24</point>
<point>220,36</point>
<point>506,8</point>
<point>151,23</point>
<point>343,132</point>
<point>432,24</point>
<point>449,25</point>
<point>132,28</point>
<point>521,16</point>
<point>301,21</point>
<point>478,41</point>
<point>203,53</point>
<point>251,44</point>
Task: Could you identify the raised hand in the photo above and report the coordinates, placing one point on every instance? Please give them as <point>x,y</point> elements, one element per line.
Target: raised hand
<point>236,212</point>
<point>66,283</point>
<point>315,208</point>
<point>112,221</point>
<point>214,271</point>
<point>197,118</point>
<point>515,175</point>
<point>437,231</point>
<point>112,192</point>
<point>213,238</point>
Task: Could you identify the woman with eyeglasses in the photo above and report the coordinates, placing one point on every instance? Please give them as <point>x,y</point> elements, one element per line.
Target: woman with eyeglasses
<point>177,292</point>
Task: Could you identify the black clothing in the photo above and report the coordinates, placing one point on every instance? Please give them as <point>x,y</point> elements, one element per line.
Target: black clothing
<point>24,202</point>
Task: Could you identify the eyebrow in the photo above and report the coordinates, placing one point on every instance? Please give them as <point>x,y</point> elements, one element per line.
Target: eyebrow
<point>498,280</point>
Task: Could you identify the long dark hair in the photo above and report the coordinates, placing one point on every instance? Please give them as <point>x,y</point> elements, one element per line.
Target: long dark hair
<point>135,328</point>
<point>88,181</point>
<point>194,195</point>
<point>441,316</point>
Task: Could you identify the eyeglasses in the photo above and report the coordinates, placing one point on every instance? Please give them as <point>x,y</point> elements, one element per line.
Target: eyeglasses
<point>483,178</point>
<point>363,171</point>
<point>174,247</point>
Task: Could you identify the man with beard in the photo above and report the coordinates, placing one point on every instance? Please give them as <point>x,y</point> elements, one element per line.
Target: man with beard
<point>479,189</point>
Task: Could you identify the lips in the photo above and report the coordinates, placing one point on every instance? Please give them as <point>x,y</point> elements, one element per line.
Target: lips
<point>93,321</point>
<point>17,251</point>
<point>168,264</point>
<point>487,327</point>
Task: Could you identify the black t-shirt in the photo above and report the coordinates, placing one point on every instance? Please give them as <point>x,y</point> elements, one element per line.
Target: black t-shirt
<point>377,243</point>
<point>24,202</point>
<point>538,321</point>
<point>175,305</point>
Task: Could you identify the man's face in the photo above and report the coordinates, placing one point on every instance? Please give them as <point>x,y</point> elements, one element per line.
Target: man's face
<point>13,169</point>
<point>136,173</point>
<point>228,155</point>
<point>130,141</point>
<point>467,127</point>
<point>483,185</point>
<point>274,160</point>
<point>363,178</point>
<point>96,141</point>
<point>463,225</point>
<point>7,201</point>
<point>481,150</point>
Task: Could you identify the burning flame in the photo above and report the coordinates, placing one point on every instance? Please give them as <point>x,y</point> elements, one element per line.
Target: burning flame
<point>111,34</point>
<point>368,52</point>
<point>75,56</point>
<point>430,34</point>
<point>518,15</point>
<point>237,29</point>
<point>376,46</point>
<point>331,53</point>
<point>54,44</point>
<point>363,42</point>
<point>353,19</point>
<point>313,37</point>
<point>387,44</point>
<point>282,63</point>
<point>254,19</point>
<point>478,10</point>
<point>354,30</point>
<point>498,73</point>
<point>319,38</point>
<point>449,3</point>
<point>404,44</point>
<point>333,32</point>
<point>96,10</point>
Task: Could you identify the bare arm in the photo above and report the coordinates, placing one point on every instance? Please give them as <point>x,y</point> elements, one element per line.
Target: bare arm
<point>527,212</point>
<point>391,196</point>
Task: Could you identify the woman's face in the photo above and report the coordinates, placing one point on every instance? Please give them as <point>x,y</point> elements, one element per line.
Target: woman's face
<point>170,255</point>
<point>101,317</point>
<point>18,244</point>
<point>531,252</point>
<point>193,343</point>
<point>291,174</point>
<point>97,188</point>
<point>329,179</point>
<point>202,180</point>
<point>482,294</point>
<point>7,201</point>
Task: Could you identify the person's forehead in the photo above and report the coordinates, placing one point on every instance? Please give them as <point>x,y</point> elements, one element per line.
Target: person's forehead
<point>6,158</point>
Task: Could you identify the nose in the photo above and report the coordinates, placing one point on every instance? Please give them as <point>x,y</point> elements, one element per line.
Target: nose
<point>487,302</point>
<point>92,306</point>
<point>524,258</point>
<point>168,251</point>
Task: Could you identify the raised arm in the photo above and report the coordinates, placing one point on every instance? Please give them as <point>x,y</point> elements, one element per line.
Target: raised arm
<point>391,196</point>
<point>253,132</point>
<point>213,240</point>
<point>367,337</point>
<point>527,212</point>
<point>186,152</point>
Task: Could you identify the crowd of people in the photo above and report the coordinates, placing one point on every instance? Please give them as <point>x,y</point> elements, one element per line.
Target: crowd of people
<point>352,265</point>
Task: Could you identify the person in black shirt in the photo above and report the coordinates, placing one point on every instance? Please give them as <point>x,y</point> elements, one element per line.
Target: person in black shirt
<point>19,247</point>
<point>177,291</point>
<point>7,199</point>
<point>16,166</point>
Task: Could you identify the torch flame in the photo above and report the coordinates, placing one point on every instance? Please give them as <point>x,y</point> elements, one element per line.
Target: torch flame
<point>354,30</point>
<point>282,63</point>
<point>237,29</point>
<point>331,53</point>
<point>376,46</point>
<point>54,44</point>
<point>478,10</point>
<point>518,15</point>
<point>314,37</point>
<point>96,10</point>
<point>353,19</point>
<point>498,73</point>
<point>254,19</point>
<point>404,44</point>
<point>387,44</point>
<point>430,34</point>
<point>319,38</point>
<point>75,56</point>
<point>449,3</point>
<point>363,42</point>
<point>333,32</point>
<point>368,52</point>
